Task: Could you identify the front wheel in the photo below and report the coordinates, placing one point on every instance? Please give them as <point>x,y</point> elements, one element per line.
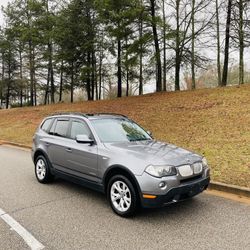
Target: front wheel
<point>122,196</point>
<point>42,170</point>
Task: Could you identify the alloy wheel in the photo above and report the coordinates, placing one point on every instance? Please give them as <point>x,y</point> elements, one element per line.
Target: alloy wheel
<point>40,169</point>
<point>120,196</point>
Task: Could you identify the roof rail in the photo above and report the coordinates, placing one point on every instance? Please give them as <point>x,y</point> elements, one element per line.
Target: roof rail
<point>69,113</point>
<point>111,114</point>
<point>86,115</point>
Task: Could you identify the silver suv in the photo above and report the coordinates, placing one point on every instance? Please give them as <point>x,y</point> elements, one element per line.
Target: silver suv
<point>112,154</point>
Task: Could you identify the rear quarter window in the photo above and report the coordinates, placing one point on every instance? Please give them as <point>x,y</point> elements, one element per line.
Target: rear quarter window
<point>46,124</point>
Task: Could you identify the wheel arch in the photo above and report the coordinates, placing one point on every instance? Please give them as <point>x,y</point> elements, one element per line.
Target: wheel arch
<point>120,170</point>
<point>40,152</point>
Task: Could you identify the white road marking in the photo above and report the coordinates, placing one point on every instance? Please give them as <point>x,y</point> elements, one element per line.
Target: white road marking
<point>30,240</point>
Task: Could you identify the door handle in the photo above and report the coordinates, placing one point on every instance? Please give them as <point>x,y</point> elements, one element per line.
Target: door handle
<point>68,150</point>
<point>47,144</point>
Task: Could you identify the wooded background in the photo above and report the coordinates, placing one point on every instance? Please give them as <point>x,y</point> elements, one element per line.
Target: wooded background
<point>55,51</point>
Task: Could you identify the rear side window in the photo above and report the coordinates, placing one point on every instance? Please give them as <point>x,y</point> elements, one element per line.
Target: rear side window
<point>45,126</point>
<point>61,128</point>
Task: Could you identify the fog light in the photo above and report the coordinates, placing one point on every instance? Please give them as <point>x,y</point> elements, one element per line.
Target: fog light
<point>162,185</point>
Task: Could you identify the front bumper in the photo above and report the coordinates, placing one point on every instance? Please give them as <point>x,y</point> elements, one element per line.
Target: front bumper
<point>176,194</point>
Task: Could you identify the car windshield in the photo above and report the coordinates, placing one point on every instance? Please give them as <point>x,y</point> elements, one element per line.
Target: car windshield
<point>119,130</point>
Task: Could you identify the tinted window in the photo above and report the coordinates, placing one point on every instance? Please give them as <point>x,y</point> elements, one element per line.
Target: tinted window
<point>61,128</point>
<point>46,125</point>
<point>79,128</point>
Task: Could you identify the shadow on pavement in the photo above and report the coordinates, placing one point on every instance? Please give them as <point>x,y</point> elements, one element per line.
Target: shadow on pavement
<point>172,210</point>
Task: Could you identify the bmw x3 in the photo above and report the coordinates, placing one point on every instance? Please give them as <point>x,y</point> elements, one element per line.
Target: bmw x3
<point>114,155</point>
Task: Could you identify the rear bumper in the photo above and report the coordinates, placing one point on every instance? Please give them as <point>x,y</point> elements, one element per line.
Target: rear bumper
<point>177,194</point>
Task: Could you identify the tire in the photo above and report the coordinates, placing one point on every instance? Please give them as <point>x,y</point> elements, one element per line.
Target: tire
<point>42,170</point>
<point>122,196</point>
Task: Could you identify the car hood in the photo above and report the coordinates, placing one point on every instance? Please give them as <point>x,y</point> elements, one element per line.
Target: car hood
<point>154,152</point>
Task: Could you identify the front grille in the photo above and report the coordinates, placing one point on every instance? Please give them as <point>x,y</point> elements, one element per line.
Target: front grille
<point>191,179</point>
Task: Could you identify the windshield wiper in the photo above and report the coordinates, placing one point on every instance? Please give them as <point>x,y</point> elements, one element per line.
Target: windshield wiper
<point>140,139</point>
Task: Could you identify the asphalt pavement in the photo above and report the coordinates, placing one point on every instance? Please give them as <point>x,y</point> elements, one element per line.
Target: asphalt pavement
<point>62,215</point>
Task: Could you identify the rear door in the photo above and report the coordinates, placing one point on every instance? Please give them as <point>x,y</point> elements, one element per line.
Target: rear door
<point>58,143</point>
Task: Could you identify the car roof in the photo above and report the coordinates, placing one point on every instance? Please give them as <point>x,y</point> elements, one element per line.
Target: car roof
<point>88,115</point>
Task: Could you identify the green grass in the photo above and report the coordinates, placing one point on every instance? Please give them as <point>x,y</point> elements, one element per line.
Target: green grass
<point>213,122</point>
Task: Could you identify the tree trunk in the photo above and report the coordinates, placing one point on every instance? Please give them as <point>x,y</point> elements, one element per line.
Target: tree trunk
<point>92,75</point>
<point>21,77</point>
<point>177,48</point>
<point>100,77</point>
<point>31,71</point>
<point>141,51</point>
<point>100,73</point>
<point>46,96</point>
<point>164,48</point>
<point>127,70</point>
<point>96,84</point>
<point>88,76</point>
<point>34,76</point>
<point>141,74</point>
<point>127,83</point>
<point>218,43</point>
<point>177,74</point>
<point>7,95</point>
<point>52,84</point>
<point>157,48</point>
<point>3,73</point>
<point>119,71</point>
<point>72,84</point>
<point>61,82</point>
<point>241,43</point>
<point>226,56</point>
<point>50,59</point>
<point>8,84</point>
<point>193,49</point>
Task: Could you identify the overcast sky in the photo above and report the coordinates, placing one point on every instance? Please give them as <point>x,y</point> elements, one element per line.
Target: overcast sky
<point>233,55</point>
<point>2,3</point>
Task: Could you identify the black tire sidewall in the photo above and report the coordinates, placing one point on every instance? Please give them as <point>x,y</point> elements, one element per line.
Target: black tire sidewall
<point>133,207</point>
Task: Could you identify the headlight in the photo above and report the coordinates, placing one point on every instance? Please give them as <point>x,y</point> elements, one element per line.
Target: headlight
<point>204,162</point>
<point>160,171</point>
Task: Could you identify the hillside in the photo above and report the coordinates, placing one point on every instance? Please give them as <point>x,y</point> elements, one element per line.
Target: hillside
<point>213,122</point>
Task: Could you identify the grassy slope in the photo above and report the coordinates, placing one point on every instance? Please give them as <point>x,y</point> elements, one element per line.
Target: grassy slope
<point>213,122</point>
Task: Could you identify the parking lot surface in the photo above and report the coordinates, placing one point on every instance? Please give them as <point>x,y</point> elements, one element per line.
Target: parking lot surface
<point>62,215</point>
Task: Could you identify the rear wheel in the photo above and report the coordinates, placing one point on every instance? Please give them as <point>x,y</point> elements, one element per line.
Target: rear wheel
<point>42,170</point>
<point>122,196</point>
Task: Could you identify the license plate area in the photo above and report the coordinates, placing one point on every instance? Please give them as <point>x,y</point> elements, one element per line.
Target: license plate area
<point>185,170</point>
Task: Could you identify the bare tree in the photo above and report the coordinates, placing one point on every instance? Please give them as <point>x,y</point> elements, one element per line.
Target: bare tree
<point>187,30</point>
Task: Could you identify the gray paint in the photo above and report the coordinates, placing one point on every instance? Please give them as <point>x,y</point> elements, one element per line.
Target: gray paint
<point>92,161</point>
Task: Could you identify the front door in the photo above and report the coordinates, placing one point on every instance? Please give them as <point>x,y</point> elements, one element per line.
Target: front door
<point>82,158</point>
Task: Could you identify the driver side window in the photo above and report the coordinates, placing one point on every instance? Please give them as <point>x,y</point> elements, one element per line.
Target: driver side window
<point>79,128</point>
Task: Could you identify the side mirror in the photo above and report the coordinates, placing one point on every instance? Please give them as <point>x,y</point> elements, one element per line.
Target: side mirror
<point>84,139</point>
<point>150,133</point>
